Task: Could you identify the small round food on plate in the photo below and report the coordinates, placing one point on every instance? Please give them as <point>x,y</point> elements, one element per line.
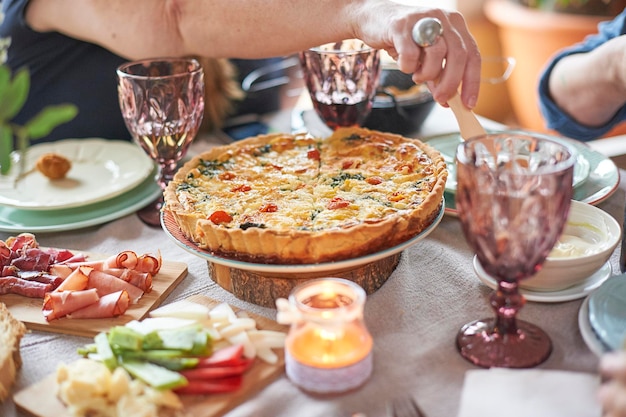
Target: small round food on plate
<point>295,199</point>
<point>53,165</point>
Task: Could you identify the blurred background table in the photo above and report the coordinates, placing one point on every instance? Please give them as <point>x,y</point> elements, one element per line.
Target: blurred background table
<point>413,317</point>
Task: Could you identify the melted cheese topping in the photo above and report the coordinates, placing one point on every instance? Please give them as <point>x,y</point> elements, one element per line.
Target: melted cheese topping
<point>310,184</point>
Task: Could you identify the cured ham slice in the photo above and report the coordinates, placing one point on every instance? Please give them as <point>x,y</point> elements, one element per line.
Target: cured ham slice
<point>76,281</point>
<point>149,263</point>
<point>32,289</point>
<point>141,280</point>
<point>110,305</point>
<point>58,304</point>
<point>106,284</point>
<point>60,270</point>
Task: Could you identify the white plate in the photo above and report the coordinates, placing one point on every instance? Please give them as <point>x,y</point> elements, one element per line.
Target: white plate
<point>172,230</point>
<point>571,293</point>
<point>17,220</point>
<point>101,169</point>
<point>590,338</point>
<point>607,312</point>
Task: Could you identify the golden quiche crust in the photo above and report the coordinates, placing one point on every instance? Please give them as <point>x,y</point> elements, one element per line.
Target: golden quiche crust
<point>294,199</point>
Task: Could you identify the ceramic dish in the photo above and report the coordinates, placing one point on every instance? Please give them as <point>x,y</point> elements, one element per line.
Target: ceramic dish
<point>572,293</point>
<point>599,184</point>
<point>101,169</point>
<point>590,338</point>
<point>174,232</point>
<point>607,312</point>
<point>16,220</point>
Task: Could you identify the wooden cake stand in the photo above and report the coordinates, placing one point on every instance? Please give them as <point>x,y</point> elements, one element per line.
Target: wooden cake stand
<point>263,288</point>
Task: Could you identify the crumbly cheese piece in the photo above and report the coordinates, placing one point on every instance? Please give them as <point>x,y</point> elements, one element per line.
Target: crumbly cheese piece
<point>89,388</point>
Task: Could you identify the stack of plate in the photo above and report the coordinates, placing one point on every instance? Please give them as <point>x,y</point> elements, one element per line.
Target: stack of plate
<point>108,179</point>
<point>596,177</point>
<point>602,316</point>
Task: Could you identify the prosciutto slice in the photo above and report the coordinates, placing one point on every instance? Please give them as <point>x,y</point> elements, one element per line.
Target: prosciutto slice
<point>110,305</point>
<point>58,304</point>
<point>19,286</point>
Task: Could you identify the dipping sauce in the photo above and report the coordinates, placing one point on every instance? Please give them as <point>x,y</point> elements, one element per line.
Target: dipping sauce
<point>578,239</point>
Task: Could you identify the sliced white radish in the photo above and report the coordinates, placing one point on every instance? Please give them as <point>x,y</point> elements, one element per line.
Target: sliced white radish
<point>182,309</point>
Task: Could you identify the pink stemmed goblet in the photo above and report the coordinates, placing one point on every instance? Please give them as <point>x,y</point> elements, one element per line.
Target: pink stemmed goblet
<point>162,103</point>
<point>513,196</point>
<point>341,78</point>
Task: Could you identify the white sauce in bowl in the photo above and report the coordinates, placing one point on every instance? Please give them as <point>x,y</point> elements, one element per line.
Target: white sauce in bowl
<point>578,239</point>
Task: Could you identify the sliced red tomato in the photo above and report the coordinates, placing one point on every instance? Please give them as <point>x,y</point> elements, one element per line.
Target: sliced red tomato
<point>216,372</point>
<point>211,386</point>
<point>220,216</point>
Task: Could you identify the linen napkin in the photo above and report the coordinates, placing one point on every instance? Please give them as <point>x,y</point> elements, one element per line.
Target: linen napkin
<point>529,393</point>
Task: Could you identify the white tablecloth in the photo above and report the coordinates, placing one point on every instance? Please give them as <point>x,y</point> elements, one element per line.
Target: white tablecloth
<point>413,318</point>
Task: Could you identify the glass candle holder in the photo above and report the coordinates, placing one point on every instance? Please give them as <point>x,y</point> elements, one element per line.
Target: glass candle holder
<point>328,348</point>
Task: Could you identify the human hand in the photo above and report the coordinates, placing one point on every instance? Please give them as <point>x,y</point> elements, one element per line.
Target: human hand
<point>454,59</point>
<point>612,393</point>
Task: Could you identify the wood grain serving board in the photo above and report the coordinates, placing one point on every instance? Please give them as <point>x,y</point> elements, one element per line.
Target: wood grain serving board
<point>29,310</point>
<point>40,399</point>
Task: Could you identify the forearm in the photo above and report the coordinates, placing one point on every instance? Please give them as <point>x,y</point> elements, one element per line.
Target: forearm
<point>591,86</point>
<point>214,28</point>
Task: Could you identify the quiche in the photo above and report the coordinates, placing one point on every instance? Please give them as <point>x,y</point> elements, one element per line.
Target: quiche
<point>296,199</point>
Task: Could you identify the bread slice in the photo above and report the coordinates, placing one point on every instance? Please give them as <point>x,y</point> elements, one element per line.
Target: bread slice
<point>11,332</point>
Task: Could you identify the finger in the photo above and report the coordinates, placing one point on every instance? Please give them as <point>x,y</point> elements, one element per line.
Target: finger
<point>613,365</point>
<point>612,396</point>
<point>431,62</point>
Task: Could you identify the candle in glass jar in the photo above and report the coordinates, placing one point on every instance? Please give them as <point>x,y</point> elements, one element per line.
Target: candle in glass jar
<point>328,348</point>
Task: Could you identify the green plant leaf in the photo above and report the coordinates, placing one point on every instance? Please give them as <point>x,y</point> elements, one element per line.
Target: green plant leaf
<point>6,146</point>
<point>46,120</point>
<point>15,94</point>
<point>5,78</point>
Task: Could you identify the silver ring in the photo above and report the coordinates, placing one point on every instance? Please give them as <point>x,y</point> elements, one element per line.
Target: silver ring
<point>426,31</point>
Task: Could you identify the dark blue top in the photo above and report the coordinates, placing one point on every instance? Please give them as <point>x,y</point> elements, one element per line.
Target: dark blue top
<point>555,117</point>
<point>63,70</point>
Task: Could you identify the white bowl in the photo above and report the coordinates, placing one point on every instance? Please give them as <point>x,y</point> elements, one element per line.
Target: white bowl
<point>590,237</point>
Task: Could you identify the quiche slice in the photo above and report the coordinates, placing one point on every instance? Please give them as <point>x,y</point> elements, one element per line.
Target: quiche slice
<point>294,199</point>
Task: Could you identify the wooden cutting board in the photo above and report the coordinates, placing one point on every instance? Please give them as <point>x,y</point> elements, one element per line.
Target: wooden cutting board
<point>40,399</point>
<point>28,310</point>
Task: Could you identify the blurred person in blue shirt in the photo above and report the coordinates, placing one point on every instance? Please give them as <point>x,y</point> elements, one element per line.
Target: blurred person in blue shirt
<point>582,90</point>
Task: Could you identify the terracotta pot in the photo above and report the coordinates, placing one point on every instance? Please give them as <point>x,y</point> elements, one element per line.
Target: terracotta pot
<point>532,37</point>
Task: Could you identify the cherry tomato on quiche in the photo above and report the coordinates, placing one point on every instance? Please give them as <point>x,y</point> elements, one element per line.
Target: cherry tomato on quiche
<point>314,154</point>
<point>220,216</point>
<point>337,203</point>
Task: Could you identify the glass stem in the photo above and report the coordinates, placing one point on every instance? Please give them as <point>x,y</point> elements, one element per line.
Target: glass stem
<point>167,169</point>
<point>506,302</point>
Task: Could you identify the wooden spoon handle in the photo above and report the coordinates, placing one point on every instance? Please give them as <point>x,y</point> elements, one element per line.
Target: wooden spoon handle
<point>469,125</point>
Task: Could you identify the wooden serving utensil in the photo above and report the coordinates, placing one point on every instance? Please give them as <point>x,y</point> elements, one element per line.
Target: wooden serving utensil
<point>469,125</point>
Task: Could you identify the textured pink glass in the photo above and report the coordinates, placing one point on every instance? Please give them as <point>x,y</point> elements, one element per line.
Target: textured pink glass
<point>513,196</point>
<point>162,103</point>
<point>342,79</point>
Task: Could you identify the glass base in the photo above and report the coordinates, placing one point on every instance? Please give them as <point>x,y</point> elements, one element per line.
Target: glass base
<point>151,214</point>
<point>529,347</point>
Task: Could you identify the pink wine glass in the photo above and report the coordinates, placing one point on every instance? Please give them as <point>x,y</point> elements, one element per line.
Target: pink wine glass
<point>162,102</point>
<point>513,196</point>
<point>342,78</point>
